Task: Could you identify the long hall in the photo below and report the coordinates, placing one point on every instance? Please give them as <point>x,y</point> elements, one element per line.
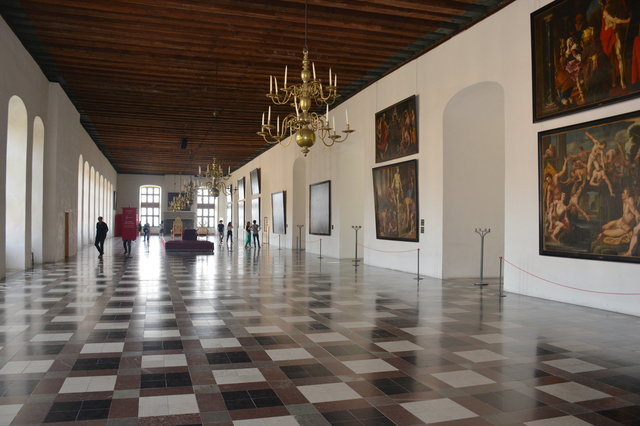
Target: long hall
<point>268,336</point>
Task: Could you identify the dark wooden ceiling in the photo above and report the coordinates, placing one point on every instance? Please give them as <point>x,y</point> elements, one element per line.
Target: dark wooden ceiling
<point>145,74</point>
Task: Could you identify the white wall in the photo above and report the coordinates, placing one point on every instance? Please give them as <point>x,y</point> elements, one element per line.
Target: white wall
<point>64,141</point>
<point>495,51</point>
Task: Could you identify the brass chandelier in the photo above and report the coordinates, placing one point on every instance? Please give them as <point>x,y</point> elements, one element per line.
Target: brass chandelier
<point>304,123</point>
<point>185,198</point>
<point>214,178</point>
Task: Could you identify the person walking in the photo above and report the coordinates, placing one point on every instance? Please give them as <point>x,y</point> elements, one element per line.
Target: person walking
<point>255,229</point>
<point>221,231</point>
<point>247,241</point>
<point>101,235</point>
<point>127,247</point>
<point>146,229</point>
<point>229,232</point>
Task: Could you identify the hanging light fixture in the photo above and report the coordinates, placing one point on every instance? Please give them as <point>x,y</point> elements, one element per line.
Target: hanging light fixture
<point>304,123</point>
<point>214,178</point>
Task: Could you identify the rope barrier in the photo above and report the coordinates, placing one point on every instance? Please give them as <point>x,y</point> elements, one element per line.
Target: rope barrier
<point>388,251</point>
<point>568,286</point>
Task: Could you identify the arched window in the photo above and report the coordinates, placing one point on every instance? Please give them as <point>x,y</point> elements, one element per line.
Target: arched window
<point>150,204</point>
<point>205,208</point>
<point>16,185</point>
<point>37,188</point>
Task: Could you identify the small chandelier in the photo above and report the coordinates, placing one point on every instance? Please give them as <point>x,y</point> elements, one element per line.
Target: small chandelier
<point>305,124</point>
<point>179,203</point>
<point>214,178</point>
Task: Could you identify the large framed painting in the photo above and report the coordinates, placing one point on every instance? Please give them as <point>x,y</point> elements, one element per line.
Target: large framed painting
<point>254,175</point>
<point>255,210</point>
<point>279,212</point>
<point>320,208</point>
<point>589,189</point>
<point>395,193</point>
<point>397,131</point>
<point>241,188</point>
<point>586,53</point>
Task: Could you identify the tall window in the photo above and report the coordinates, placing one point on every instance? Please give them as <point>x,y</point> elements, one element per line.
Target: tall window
<point>150,205</point>
<point>206,204</point>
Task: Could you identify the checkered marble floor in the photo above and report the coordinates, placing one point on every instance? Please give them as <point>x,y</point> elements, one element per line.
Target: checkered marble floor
<point>274,337</point>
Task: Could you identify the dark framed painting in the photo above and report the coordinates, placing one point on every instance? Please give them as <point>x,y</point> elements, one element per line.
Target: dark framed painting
<point>395,194</point>
<point>255,210</point>
<point>320,208</point>
<point>586,53</point>
<point>171,196</point>
<point>254,175</point>
<point>241,223</point>
<point>589,189</point>
<point>397,131</point>
<point>279,212</point>
<point>241,188</point>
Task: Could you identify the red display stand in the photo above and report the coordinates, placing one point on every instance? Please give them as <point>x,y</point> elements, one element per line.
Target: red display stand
<point>129,223</point>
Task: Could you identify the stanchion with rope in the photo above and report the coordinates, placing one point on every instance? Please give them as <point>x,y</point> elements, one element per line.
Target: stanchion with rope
<point>501,293</point>
<point>313,242</point>
<point>356,260</point>
<point>300,237</point>
<point>418,278</point>
<point>482,233</point>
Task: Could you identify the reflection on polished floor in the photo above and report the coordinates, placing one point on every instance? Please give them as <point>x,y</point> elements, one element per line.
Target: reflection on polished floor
<point>271,337</point>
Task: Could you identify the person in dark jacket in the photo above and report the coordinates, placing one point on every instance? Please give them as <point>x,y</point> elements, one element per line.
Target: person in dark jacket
<point>101,235</point>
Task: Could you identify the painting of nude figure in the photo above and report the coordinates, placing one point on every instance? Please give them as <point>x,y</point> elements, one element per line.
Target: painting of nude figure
<point>589,189</point>
<point>586,53</point>
<point>395,194</point>
<point>397,131</point>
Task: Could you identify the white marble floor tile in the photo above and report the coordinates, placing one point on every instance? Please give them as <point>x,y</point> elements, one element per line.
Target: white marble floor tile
<point>438,410</point>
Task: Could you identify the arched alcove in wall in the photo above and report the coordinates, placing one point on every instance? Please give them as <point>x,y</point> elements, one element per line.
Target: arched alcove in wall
<point>16,185</point>
<point>85,204</point>
<point>100,208</point>
<point>37,189</point>
<point>473,165</point>
<point>80,205</point>
<point>92,202</point>
<point>299,202</point>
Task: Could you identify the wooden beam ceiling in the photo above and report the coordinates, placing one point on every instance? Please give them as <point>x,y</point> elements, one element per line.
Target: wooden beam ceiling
<point>146,74</point>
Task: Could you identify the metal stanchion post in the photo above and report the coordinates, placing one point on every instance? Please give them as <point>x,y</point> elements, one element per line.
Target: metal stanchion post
<point>320,257</point>
<point>278,241</point>
<point>300,236</point>
<point>418,278</point>
<point>482,233</point>
<point>501,294</point>
<point>356,228</point>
